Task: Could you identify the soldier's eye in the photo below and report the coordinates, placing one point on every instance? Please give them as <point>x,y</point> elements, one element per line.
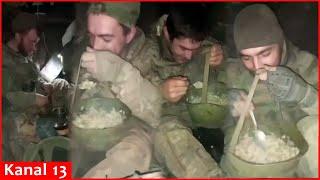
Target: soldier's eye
<point>107,40</point>
<point>266,53</point>
<point>245,58</point>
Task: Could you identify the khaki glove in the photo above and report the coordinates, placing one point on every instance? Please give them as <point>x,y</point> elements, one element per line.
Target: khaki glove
<point>284,84</point>
<point>237,99</point>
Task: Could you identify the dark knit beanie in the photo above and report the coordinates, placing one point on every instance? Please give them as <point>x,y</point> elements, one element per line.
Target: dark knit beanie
<point>256,26</point>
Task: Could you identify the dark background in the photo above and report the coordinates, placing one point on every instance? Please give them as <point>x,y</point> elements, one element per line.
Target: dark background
<point>298,20</point>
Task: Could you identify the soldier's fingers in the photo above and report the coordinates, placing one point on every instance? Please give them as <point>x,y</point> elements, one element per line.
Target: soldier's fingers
<point>262,73</point>
<point>176,95</point>
<point>216,49</point>
<point>243,96</point>
<point>216,59</point>
<point>270,68</point>
<point>89,49</point>
<point>217,54</point>
<point>179,94</point>
<point>179,89</point>
<point>180,83</point>
<point>180,78</point>
<point>87,56</point>
<point>251,107</point>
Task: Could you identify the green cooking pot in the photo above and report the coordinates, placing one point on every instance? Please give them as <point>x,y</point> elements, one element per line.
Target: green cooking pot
<point>211,114</point>
<point>101,139</point>
<point>234,166</point>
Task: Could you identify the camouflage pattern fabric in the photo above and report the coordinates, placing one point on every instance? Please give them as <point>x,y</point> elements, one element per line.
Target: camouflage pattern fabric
<point>178,150</point>
<point>269,111</point>
<point>126,13</point>
<point>308,165</point>
<point>20,114</point>
<point>186,158</point>
<point>121,77</point>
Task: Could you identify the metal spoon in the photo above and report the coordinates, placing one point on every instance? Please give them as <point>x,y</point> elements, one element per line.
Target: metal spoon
<point>259,136</point>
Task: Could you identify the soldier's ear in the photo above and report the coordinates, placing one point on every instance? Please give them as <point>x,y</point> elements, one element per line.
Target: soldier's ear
<point>17,37</point>
<point>131,34</point>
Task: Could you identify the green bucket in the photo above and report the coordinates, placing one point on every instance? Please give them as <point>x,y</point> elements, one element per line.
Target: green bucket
<point>100,139</point>
<point>211,114</point>
<point>237,167</point>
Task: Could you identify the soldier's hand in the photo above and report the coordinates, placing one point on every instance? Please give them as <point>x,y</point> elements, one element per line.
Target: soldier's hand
<point>263,72</point>
<point>41,100</point>
<point>175,88</point>
<point>238,100</point>
<point>89,61</point>
<point>47,87</point>
<point>216,55</point>
<point>60,84</point>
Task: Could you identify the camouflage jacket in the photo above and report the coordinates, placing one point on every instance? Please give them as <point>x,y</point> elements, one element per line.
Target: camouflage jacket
<point>267,109</point>
<point>20,76</point>
<point>123,78</point>
<point>165,67</point>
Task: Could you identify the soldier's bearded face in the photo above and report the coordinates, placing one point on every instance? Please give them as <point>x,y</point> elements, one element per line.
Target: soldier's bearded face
<point>256,58</point>
<point>27,44</point>
<point>106,34</point>
<point>184,48</point>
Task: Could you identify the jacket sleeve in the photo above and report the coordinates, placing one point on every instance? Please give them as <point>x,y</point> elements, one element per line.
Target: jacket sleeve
<point>141,96</point>
<point>309,103</point>
<point>307,68</point>
<point>18,99</point>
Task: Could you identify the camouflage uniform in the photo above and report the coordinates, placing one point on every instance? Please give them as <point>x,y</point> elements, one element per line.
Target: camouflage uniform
<point>144,99</point>
<point>19,113</point>
<point>303,64</point>
<point>175,145</point>
<point>274,113</point>
<point>21,83</point>
<point>121,77</point>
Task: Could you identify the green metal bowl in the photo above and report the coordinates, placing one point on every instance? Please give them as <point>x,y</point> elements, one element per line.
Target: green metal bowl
<point>234,166</point>
<point>100,139</point>
<point>211,114</point>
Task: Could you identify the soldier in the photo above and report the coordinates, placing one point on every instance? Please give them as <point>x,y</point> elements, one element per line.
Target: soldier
<point>112,28</point>
<point>116,57</point>
<point>288,90</point>
<point>22,103</point>
<point>181,38</point>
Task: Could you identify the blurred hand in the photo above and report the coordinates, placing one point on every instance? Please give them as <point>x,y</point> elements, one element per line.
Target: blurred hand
<point>216,55</point>
<point>263,72</point>
<point>41,100</point>
<point>60,84</point>
<point>47,87</point>
<point>237,101</point>
<point>175,88</point>
<point>89,61</point>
